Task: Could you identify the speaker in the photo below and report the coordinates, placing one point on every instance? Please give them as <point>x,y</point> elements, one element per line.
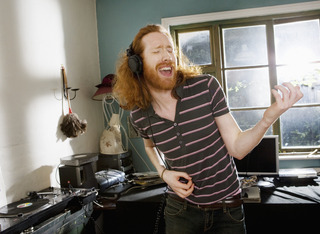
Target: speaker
<point>134,61</point>
<point>77,176</point>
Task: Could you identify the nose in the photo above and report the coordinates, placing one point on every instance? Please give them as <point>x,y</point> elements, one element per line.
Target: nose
<point>166,56</point>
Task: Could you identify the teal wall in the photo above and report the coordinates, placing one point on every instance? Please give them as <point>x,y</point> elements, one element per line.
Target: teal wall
<point>120,20</point>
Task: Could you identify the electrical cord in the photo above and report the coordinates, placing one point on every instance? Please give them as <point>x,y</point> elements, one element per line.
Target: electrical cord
<point>160,212</point>
<point>152,135</point>
<point>83,207</point>
<point>163,199</point>
<point>56,177</point>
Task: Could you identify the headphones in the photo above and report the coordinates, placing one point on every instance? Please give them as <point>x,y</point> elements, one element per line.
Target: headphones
<point>134,61</point>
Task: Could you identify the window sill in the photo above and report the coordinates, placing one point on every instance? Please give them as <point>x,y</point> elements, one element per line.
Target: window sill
<point>294,156</point>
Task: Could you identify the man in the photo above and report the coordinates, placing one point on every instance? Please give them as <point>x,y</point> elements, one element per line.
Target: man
<point>184,114</point>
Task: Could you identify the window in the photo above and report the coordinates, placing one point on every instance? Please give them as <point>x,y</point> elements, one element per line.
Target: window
<point>196,46</point>
<point>297,55</point>
<point>250,56</point>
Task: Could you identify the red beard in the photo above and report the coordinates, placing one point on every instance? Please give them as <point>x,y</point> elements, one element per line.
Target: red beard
<point>155,81</point>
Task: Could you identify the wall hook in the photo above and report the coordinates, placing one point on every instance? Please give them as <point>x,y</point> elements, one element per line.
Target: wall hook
<point>66,92</point>
<point>65,85</point>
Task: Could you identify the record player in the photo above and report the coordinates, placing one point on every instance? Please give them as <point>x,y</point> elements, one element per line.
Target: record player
<point>40,206</point>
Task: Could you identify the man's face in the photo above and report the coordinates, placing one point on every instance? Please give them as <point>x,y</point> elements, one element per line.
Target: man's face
<point>159,61</point>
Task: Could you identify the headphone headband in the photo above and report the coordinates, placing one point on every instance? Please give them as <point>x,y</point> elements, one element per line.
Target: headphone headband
<point>130,51</point>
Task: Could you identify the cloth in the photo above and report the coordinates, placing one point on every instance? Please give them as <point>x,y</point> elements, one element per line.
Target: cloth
<point>110,140</point>
<point>192,143</point>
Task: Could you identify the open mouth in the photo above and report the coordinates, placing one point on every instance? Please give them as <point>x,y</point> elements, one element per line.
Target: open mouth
<point>165,70</point>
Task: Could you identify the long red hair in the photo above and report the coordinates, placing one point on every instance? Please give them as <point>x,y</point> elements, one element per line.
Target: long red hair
<point>127,88</point>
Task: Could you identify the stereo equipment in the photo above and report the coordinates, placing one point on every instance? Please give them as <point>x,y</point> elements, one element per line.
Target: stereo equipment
<point>122,162</point>
<point>78,171</point>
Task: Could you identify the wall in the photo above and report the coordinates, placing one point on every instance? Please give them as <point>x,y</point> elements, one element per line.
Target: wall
<point>119,21</point>
<point>36,37</point>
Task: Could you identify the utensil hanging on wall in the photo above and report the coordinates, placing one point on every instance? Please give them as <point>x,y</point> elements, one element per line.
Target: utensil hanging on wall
<point>71,125</point>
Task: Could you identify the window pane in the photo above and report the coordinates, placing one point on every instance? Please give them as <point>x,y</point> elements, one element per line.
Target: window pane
<point>300,127</point>
<point>248,119</point>
<point>307,77</point>
<point>196,47</point>
<point>245,46</point>
<point>248,87</point>
<point>297,42</point>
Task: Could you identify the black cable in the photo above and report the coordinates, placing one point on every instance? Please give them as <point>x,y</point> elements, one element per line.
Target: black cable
<point>164,196</point>
<point>160,212</point>
<point>148,117</point>
<point>87,213</point>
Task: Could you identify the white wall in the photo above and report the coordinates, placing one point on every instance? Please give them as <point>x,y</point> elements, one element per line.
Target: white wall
<point>36,37</point>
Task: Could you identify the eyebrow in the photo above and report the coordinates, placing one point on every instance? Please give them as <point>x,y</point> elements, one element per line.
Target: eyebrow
<point>160,46</point>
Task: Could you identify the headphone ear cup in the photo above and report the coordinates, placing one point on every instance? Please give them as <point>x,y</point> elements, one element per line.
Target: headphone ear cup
<point>135,64</point>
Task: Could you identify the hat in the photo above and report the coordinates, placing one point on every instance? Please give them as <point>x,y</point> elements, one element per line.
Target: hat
<point>104,88</point>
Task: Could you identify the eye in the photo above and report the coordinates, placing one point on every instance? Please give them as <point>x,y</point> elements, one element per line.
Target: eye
<point>169,49</point>
<point>156,51</point>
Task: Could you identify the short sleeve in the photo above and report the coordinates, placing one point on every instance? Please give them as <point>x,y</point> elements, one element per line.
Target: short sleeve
<point>218,99</point>
<point>136,121</point>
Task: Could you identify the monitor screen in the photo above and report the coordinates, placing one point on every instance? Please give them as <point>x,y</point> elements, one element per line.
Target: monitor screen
<point>262,160</point>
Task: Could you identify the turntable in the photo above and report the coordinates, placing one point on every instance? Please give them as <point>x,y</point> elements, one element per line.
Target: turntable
<point>22,207</point>
<point>41,206</point>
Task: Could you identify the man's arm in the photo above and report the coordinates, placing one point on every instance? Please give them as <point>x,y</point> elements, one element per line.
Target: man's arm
<point>240,143</point>
<point>170,177</point>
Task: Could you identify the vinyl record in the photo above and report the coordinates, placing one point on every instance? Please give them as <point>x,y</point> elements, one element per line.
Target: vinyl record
<point>23,206</point>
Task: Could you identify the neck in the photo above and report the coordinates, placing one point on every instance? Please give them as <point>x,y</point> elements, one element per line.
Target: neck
<point>161,97</point>
<point>164,104</point>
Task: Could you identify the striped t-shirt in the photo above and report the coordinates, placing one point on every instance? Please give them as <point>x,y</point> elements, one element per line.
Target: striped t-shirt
<point>192,142</point>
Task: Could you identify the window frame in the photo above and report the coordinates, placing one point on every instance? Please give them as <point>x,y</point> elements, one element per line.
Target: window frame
<point>218,70</point>
<point>192,28</point>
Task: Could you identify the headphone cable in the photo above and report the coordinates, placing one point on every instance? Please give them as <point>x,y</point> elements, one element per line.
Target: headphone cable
<point>152,134</point>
